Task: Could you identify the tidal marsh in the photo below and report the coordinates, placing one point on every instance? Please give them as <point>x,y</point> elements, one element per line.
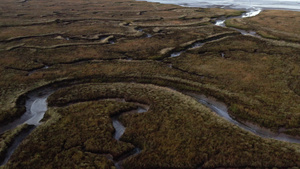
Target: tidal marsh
<point>94,50</point>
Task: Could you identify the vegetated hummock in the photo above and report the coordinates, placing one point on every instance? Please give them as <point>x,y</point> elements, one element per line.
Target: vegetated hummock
<point>100,49</point>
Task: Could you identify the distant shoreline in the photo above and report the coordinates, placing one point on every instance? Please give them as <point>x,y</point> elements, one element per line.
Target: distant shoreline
<point>229,6</point>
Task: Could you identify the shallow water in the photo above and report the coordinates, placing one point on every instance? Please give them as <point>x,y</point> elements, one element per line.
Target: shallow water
<point>176,54</point>
<point>16,143</point>
<point>119,128</point>
<point>34,70</point>
<point>237,4</point>
<point>250,13</point>
<point>36,106</point>
<point>221,22</point>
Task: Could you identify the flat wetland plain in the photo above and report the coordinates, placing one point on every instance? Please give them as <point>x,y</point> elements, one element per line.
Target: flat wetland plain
<point>104,58</point>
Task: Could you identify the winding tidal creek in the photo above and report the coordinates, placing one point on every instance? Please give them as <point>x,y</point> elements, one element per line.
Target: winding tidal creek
<point>221,22</point>
<point>36,106</point>
<point>120,129</point>
<point>222,110</point>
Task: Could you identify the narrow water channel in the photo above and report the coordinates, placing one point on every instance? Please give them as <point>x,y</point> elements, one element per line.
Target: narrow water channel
<point>119,128</point>
<point>119,131</point>
<point>16,143</point>
<point>221,22</point>
<point>250,13</point>
<point>221,109</point>
<point>36,106</point>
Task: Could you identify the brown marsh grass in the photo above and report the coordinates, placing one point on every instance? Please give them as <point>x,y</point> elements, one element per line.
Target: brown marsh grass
<point>177,132</point>
<point>258,81</point>
<point>274,24</point>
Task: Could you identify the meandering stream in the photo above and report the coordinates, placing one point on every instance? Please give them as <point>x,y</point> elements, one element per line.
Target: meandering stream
<point>36,106</point>
<point>119,131</point>
<point>250,13</point>
<point>221,109</point>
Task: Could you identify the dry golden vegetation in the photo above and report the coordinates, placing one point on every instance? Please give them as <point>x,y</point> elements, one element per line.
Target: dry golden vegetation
<point>109,41</point>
